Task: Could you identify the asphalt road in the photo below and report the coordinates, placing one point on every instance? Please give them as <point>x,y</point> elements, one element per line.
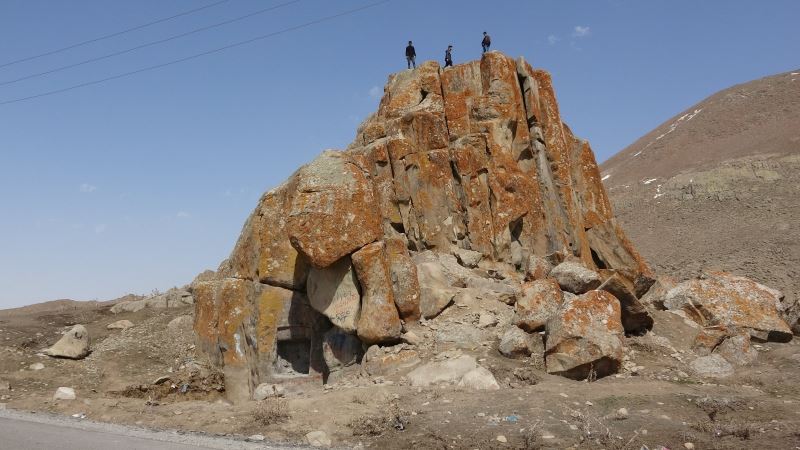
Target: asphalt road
<point>26,431</point>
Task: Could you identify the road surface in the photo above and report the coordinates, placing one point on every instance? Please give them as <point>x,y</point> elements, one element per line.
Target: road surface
<point>26,431</point>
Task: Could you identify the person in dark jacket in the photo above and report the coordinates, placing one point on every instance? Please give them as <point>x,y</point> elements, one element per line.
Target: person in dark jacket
<point>448,56</point>
<point>486,42</point>
<point>411,55</point>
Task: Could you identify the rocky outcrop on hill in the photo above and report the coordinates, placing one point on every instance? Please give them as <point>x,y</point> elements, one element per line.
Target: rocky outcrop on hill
<point>463,185</point>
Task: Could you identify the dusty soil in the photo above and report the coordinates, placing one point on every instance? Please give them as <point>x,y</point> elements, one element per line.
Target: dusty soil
<point>373,406</point>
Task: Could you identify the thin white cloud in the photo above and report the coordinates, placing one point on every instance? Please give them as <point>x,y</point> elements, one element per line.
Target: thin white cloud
<point>581,31</point>
<point>100,228</point>
<point>553,39</point>
<point>375,92</point>
<point>182,215</point>
<point>87,188</point>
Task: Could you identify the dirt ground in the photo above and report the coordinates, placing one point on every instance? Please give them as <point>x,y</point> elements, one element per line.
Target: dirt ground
<point>664,405</point>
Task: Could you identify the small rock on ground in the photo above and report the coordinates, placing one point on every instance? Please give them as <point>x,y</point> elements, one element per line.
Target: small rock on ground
<point>318,439</point>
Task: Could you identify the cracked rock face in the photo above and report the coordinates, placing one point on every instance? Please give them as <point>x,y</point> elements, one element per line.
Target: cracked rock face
<point>473,157</point>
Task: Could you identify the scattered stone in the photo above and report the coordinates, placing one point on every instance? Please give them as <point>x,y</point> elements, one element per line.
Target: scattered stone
<point>538,302</point>
<point>120,325</point>
<point>574,277</point>
<point>708,339</point>
<point>173,298</point>
<point>516,343</point>
<point>621,414</point>
<point>538,268</point>
<point>501,438</point>
<point>64,393</point>
<point>504,291</point>
<point>448,371</point>
<point>737,350</point>
<point>688,446</point>
<point>467,258</point>
<point>486,320</point>
<point>161,380</point>
<point>266,390</point>
<point>73,345</point>
<point>584,340</point>
<point>318,439</point>
<point>183,322</point>
<point>411,338</point>
<point>4,385</point>
<point>712,366</point>
<point>720,298</point>
<point>334,292</point>
<point>434,300</point>
<point>256,438</point>
<point>479,379</point>
<point>36,366</point>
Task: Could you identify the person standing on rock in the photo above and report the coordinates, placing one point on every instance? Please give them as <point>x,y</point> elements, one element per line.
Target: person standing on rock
<point>486,42</point>
<point>411,55</point>
<point>448,56</point>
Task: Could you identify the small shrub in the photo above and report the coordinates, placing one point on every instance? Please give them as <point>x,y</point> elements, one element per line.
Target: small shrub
<point>272,411</point>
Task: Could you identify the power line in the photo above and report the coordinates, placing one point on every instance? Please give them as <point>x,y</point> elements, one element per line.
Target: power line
<point>150,44</point>
<point>198,55</point>
<point>108,36</point>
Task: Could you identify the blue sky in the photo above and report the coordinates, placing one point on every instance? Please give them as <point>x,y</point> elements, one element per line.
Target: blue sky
<point>142,182</point>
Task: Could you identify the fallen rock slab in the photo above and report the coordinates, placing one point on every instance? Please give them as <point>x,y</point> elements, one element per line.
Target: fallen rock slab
<point>584,339</point>
<point>73,345</point>
<point>720,298</point>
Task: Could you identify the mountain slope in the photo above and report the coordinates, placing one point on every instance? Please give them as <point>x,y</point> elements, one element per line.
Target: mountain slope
<point>718,186</point>
<point>755,118</point>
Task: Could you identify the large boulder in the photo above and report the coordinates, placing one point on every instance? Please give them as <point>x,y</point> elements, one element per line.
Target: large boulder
<point>711,366</point>
<point>575,277</point>
<point>584,339</point>
<point>720,298</point>
<point>332,212</point>
<point>379,321</point>
<point>334,292</point>
<point>74,344</point>
<point>538,302</point>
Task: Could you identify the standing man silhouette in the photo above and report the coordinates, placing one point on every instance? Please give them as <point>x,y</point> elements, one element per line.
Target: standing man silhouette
<point>448,56</point>
<point>411,55</point>
<point>486,43</point>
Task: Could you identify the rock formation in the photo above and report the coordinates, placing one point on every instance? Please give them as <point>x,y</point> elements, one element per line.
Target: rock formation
<point>471,161</point>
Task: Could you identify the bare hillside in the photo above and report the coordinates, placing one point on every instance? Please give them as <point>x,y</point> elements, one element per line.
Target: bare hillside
<point>717,186</point>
